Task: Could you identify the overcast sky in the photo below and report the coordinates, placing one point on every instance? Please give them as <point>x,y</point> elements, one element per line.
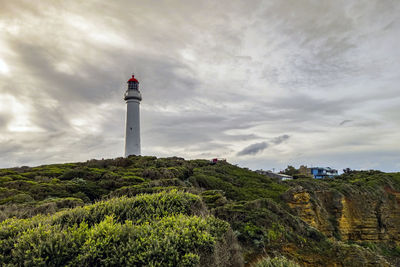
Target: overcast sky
<point>261,83</point>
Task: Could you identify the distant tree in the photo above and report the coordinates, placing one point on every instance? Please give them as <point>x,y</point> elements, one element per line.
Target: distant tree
<point>290,170</point>
<point>347,170</point>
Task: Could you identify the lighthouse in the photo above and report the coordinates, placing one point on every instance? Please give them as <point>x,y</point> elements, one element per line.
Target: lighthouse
<point>132,132</point>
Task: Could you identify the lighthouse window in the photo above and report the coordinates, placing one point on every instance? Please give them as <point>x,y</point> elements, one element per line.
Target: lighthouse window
<point>132,86</point>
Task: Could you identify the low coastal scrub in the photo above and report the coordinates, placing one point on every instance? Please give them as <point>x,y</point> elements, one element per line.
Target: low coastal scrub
<point>164,229</point>
<point>170,211</point>
<point>171,241</point>
<point>279,261</point>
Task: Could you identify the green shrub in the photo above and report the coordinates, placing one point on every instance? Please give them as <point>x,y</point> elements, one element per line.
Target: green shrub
<point>254,234</point>
<point>5,179</point>
<point>151,187</point>
<point>4,172</point>
<point>41,191</point>
<point>172,241</point>
<point>151,230</point>
<point>18,198</point>
<point>10,229</point>
<point>82,196</point>
<point>181,172</point>
<point>91,189</point>
<point>152,173</point>
<point>20,184</point>
<point>49,245</point>
<point>85,173</point>
<point>276,262</point>
<point>140,208</point>
<point>132,179</point>
<point>214,198</point>
<point>6,193</point>
<point>58,203</point>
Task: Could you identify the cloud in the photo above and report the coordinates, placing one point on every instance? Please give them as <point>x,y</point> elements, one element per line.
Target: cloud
<point>256,148</point>
<point>253,149</point>
<point>280,139</point>
<point>344,122</point>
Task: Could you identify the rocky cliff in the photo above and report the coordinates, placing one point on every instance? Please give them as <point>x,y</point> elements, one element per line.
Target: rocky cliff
<point>354,213</point>
<point>355,217</point>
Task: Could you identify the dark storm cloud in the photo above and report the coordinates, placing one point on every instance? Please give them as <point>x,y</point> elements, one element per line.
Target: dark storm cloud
<point>253,149</point>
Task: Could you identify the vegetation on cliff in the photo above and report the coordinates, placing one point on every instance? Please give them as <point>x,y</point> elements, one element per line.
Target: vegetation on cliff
<point>195,212</point>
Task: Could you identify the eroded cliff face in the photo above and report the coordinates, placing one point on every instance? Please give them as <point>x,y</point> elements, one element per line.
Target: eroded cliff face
<point>356,217</point>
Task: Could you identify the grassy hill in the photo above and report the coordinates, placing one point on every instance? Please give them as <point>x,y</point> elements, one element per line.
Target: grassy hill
<point>171,212</point>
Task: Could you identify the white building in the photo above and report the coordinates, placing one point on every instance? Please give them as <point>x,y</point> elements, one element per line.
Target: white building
<point>271,174</point>
<point>132,132</point>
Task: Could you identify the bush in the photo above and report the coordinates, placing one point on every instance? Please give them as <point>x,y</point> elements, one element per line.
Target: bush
<point>19,198</point>
<point>214,198</point>
<point>5,179</point>
<point>276,262</point>
<point>132,179</point>
<point>151,230</point>
<point>10,229</point>
<point>140,208</point>
<point>168,242</point>
<point>49,245</point>
<point>173,241</point>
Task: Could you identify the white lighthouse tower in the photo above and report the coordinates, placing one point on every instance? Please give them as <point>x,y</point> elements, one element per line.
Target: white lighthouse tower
<point>132,133</point>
